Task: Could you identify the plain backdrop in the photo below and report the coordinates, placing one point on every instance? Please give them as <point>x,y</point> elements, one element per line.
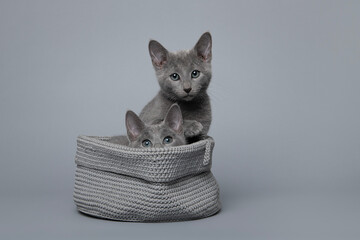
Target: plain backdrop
<point>285,99</point>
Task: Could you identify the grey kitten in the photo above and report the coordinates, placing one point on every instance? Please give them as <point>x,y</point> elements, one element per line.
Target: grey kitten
<point>168,133</point>
<point>183,77</point>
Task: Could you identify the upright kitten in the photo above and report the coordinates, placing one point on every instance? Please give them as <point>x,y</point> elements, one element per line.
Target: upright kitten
<point>183,77</point>
<point>165,134</point>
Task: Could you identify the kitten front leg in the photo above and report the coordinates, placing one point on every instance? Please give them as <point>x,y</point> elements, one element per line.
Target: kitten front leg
<point>192,128</point>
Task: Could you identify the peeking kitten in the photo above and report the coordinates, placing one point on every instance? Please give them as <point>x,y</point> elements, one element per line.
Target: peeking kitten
<point>165,134</point>
<point>183,77</point>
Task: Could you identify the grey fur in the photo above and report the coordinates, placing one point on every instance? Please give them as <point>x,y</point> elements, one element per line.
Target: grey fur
<point>171,126</point>
<point>190,93</point>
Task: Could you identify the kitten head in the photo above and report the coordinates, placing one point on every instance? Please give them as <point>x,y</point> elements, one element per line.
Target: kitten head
<point>184,75</point>
<point>165,134</point>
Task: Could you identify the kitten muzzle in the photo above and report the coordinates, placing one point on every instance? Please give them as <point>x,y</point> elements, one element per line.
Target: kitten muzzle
<point>187,90</point>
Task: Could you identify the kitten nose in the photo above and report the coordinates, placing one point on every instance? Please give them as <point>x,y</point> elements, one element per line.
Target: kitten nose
<point>187,90</point>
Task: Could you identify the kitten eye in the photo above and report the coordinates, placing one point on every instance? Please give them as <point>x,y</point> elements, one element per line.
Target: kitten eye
<point>146,143</point>
<point>167,140</point>
<point>195,74</point>
<point>175,76</point>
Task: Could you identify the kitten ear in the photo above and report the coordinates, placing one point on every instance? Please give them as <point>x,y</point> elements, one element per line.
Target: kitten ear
<point>174,118</point>
<point>134,125</point>
<point>203,47</point>
<point>158,53</point>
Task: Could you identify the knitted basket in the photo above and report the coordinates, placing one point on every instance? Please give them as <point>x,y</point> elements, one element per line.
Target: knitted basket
<point>117,182</point>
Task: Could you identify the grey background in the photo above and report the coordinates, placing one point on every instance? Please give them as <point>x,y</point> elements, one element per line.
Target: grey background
<point>285,98</point>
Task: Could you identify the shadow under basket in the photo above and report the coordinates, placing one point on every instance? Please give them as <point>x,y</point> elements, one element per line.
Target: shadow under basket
<point>117,182</point>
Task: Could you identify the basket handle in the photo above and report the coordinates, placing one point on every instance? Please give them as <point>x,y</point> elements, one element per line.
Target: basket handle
<point>207,154</point>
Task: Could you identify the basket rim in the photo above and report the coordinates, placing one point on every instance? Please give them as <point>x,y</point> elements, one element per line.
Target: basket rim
<point>153,164</point>
<point>101,141</point>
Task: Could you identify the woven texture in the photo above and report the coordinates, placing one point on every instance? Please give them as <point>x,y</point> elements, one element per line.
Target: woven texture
<point>156,184</point>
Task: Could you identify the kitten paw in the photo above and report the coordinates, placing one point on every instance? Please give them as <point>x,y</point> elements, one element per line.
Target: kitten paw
<point>192,128</point>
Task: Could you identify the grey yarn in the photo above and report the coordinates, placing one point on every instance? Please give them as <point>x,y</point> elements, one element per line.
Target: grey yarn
<point>157,184</point>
